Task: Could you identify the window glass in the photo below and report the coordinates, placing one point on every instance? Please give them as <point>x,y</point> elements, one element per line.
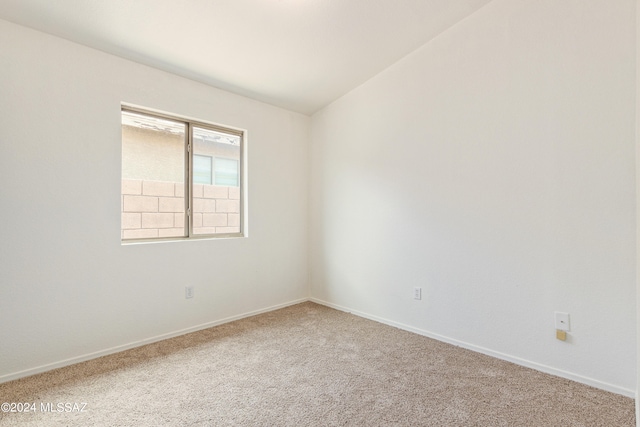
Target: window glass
<point>180,179</point>
<point>216,208</point>
<point>226,172</point>
<point>202,169</point>
<point>153,177</point>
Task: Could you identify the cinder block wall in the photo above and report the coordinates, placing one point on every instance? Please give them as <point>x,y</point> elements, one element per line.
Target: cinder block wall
<point>156,209</point>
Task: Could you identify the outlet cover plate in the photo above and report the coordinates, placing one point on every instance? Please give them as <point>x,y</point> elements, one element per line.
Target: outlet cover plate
<point>562,321</point>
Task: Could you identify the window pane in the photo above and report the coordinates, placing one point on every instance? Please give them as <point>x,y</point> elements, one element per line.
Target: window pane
<point>201,169</point>
<point>226,172</point>
<point>216,206</point>
<point>153,171</point>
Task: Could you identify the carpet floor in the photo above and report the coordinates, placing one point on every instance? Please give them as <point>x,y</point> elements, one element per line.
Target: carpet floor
<point>306,365</point>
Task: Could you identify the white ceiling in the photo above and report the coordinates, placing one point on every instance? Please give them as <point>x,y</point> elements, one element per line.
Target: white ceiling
<point>296,54</point>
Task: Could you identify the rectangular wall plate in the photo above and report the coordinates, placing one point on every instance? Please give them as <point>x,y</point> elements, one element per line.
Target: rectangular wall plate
<point>562,321</point>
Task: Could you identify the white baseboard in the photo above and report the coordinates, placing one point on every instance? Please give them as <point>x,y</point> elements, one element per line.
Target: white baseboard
<point>518,361</point>
<point>117,349</point>
<point>637,410</point>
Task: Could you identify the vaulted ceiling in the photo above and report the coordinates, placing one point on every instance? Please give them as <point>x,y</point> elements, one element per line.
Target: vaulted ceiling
<point>296,54</point>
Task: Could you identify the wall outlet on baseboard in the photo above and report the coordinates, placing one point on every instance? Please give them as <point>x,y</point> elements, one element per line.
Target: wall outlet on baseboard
<point>417,293</point>
<point>188,292</point>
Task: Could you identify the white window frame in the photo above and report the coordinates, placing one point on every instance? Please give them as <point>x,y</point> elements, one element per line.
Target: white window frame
<point>189,125</point>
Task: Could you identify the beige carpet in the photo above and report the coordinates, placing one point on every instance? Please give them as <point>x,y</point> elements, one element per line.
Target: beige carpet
<point>308,365</point>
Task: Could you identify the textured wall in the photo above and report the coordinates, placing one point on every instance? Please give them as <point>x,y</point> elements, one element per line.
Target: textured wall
<point>69,288</point>
<point>494,168</point>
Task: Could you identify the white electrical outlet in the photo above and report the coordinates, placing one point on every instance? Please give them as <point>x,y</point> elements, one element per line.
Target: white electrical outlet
<point>562,321</point>
<point>188,292</point>
<point>417,293</point>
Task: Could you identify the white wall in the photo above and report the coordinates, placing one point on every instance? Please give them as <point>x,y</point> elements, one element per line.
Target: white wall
<point>494,168</point>
<point>68,287</point>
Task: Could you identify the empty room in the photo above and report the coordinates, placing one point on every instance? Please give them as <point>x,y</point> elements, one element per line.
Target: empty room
<point>319,212</point>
